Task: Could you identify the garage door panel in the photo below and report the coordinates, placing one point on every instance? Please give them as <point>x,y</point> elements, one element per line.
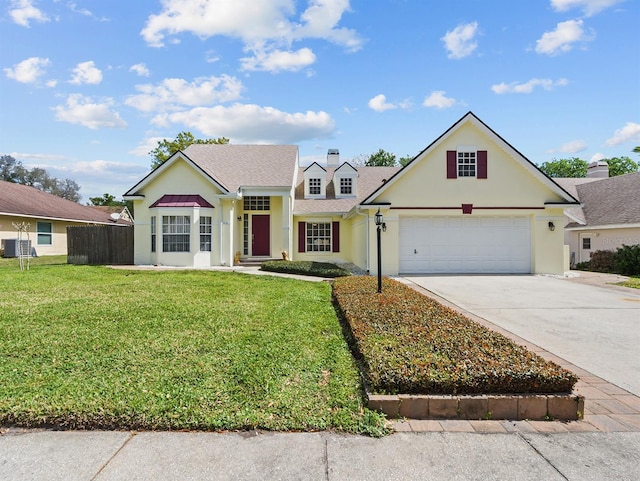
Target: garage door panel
<point>465,245</point>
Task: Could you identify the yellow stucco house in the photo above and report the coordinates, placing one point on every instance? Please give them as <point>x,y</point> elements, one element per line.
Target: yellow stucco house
<point>468,203</point>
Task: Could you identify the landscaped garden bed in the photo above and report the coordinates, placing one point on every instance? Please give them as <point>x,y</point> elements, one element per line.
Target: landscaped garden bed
<point>306,268</point>
<point>411,347</point>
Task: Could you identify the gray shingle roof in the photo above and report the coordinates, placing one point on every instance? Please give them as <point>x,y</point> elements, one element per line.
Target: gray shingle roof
<point>22,200</point>
<point>234,166</point>
<point>570,184</point>
<point>611,201</point>
<point>369,179</point>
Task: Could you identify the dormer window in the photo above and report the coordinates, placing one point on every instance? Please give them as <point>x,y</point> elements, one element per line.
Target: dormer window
<point>315,183</point>
<point>346,186</point>
<point>315,186</point>
<point>345,181</point>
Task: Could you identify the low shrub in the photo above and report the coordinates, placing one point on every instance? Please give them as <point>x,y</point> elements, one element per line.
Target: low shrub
<point>307,268</point>
<point>408,343</point>
<point>602,261</point>
<point>627,260</point>
<point>583,266</point>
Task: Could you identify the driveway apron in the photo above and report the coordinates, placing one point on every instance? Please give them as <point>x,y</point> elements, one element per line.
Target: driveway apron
<point>595,328</point>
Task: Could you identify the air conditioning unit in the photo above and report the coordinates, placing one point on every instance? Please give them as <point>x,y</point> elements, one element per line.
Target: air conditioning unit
<point>12,247</point>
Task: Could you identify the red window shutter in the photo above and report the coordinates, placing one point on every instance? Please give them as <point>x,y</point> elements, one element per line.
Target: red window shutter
<point>335,230</point>
<point>452,164</point>
<point>482,164</point>
<point>301,236</point>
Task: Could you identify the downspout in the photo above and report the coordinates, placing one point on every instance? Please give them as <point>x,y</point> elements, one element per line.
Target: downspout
<point>367,236</point>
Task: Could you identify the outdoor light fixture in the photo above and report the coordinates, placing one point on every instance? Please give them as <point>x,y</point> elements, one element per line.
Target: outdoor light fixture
<point>239,218</point>
<point>380,226</point>
<point>552,226</point>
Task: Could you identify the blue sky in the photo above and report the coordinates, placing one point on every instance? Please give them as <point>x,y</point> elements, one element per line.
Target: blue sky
<point>88,87</point>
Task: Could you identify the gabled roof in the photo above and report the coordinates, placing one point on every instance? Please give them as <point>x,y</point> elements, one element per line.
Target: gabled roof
<point>470,117</point>
<point>230,166</point>
<point>238,166</point>
<point>24,201</point>
<point>314,165</point>
<point>610,201</point>
<point>369,179</point>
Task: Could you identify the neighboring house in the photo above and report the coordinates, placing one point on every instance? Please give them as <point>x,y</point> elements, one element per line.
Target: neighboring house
<point>469,202</point>
<point>608,216</point>
<point>48,217</point>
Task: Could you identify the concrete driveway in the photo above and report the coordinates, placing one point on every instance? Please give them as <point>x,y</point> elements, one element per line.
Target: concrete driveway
<point>595,328</point>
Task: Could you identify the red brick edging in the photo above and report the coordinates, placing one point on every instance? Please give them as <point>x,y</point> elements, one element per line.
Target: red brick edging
<point>566,407</point>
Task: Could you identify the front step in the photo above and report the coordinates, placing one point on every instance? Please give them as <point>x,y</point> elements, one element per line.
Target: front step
<point>254,261</point>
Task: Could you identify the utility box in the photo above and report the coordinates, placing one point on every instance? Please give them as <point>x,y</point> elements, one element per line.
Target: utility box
<point>12,247</point>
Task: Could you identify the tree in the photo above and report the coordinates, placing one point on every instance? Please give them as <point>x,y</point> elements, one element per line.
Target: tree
<point>166,148</point>
<point>12,170</point>
<point>381,158</point>
<point>106,199</point>
<point>621,166</point>
<point>573,167</point>
<point>637,149</point>
<point>405,160</point>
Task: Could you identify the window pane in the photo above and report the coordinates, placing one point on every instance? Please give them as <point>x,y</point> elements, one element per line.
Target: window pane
<point>319,237</point>
<point>176,231</point>
<point>44,230</point>
<point>205,234</point>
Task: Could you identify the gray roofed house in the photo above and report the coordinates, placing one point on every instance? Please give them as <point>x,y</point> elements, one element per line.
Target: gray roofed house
<point>48,216</point>
<point>608,216</point>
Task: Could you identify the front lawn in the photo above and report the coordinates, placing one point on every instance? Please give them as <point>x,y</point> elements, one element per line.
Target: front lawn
<point>93,347</point>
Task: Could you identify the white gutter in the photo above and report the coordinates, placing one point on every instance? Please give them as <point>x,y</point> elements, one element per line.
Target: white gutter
<point>367,236</point>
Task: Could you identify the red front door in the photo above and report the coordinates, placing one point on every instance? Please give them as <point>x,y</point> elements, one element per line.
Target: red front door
<point>260,245</point>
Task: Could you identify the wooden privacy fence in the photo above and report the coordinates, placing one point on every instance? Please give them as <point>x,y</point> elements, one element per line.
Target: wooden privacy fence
<point>100,245</point>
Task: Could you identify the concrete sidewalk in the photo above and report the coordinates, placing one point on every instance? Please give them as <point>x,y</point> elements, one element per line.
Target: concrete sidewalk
<point>104,456</point>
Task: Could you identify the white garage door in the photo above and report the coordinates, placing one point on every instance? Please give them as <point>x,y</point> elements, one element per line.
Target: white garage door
<point>465,245</point>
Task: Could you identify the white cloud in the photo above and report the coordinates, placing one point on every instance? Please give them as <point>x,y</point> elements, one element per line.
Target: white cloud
<point>249,123</point>
<point>82,110</point>
<point>267,28</point>
<point>146,146</point>
<point>459,42</point>
<point>572,147</point>
<point>379,103</point>
<point>82,11</point>
<point>140,69</point>
<point>176,93</point>
<point>28,71</point>
<point>589,7</point>
<point>279,60</point>
<point>527,87</point>
<point>561,39</point>
<point>597,156</point>
<point>23,11</point>
<point>86,73</point>
<point>439,100</point>
<point>629,133</point>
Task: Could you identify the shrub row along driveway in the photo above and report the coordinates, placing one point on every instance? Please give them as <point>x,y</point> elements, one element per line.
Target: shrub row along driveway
<point>595,328</point>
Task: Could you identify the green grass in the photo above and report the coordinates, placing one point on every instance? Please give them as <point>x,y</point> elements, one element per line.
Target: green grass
<point>632,282</point>
<point>92,347</point>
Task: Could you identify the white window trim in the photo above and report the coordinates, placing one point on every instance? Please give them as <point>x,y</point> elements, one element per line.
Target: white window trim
<point>49,234</point>
<point>467,149</point>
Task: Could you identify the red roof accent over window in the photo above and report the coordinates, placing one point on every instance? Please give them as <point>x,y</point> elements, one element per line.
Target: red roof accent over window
<point>181,200</point>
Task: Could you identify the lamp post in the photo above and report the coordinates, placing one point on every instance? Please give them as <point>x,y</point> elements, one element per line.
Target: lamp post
<point>380,226</point>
